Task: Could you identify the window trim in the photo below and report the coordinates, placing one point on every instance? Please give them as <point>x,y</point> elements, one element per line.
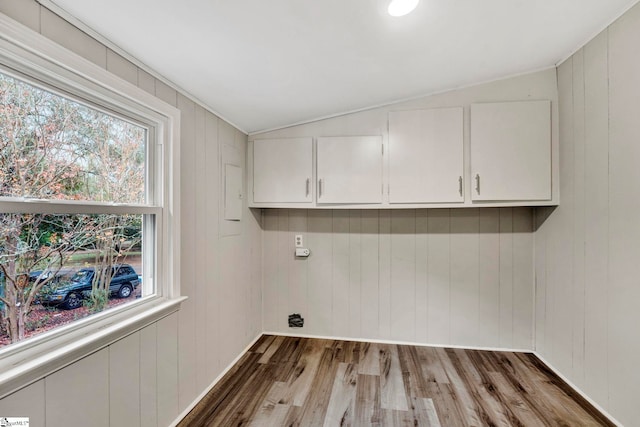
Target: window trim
<point>31,54</point>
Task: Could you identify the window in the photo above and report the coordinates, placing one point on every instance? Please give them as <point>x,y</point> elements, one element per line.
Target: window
<point>88,219</point>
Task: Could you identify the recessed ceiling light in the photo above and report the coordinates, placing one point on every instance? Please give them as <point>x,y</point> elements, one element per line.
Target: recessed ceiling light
<point>401,7</point>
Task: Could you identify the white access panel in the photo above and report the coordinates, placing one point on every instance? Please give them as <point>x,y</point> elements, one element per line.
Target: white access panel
<point>349,169</point>
<point>232,192</point>
<point>511,151</point>
<point>282,170</point>
<point>426,160</point>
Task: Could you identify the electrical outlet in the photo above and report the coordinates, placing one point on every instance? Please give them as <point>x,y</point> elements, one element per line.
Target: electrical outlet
<point>303,252</point>
<point>299,242</point>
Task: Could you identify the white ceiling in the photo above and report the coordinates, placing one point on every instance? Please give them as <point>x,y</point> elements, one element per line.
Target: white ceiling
<point>263,64</point>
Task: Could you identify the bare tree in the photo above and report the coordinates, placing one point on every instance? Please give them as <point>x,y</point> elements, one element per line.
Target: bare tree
<point>56,148</point>
<point>111,246</point>
<point>23,252</point>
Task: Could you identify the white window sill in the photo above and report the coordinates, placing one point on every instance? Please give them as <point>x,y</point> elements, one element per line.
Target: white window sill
<point>34,359</point>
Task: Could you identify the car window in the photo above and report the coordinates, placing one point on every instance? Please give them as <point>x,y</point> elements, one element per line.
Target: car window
<point>81,275</point>
<point>121,271</point>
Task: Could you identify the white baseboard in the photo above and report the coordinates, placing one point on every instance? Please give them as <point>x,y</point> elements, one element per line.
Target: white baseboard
<point>218,378</point>
<point>577,390</point>
<point>394,342</point>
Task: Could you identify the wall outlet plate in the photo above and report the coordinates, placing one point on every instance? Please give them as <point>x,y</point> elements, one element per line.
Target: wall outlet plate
<point>299,241</point>
<point>303,252</point>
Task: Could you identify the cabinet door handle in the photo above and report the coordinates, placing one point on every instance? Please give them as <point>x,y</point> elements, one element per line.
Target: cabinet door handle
<point>307,187</point>
<point>478,183</point>
<point>460,185</point>
<point>319,188</point>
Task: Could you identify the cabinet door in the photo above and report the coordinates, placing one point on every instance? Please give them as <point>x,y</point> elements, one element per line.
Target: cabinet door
<point>350,169</point>
<point>426,160</point>
<point>511,151</point>
<point>282,170</point>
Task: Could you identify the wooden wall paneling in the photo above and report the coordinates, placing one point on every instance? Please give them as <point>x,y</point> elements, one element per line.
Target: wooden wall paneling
<point>167,362</point>
<point>561,236</point>
<point>403,274</point>
<point>255,298</point>
<point>202,266</point>
<point>579,195</point>
<point>285,254</point>
<point>624,204</point>
<point>340,273</point>
<point>355,272</point>
<point>249,239</point>
<point>124,381</point>
<point>230,251</point>
<point>437,269</point>
<point>438,226</point>
<point>212,261</point>
<point>167,93</point>
<point>148,367</point>
<point>270,273</point>
<point>231,152</point>
<point>384,271</point>
<point>146,82</point>
<point>121,67</point>
<point>464,267</point>
<point>596,98</point>
<point>320,317</point>
<point>506,278</point>
<point>27,12</point>
<point>297,266</point>
<point>370,293</point>
<point>523,284</point>
<point>188,286</point>
<point>553,227</point>
<point>540,280</point>
<point>26,402</point>
<point>60,31</point>
<point>421,276</point>
<point>248,331</point>
<point>232,318</point>
<point>86,384</point>
<point>489,277</point>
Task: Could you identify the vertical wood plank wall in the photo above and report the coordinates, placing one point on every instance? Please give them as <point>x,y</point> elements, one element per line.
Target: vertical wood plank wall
<point>151,376</point>
<point>587,251</point>
<point>441,276</point>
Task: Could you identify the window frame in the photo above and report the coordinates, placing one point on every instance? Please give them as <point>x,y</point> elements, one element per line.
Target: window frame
<point>39,59</point>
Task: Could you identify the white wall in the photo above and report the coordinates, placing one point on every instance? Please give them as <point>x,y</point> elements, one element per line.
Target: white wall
<point>151,376</point>
<point>588,250</point>
<point>440,276</point>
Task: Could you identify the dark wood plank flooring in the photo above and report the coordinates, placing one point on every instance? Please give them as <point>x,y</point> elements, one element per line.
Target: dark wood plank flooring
<point>284,381</point>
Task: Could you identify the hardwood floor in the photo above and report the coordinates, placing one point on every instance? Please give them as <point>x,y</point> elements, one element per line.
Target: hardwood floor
<point>284,381</point>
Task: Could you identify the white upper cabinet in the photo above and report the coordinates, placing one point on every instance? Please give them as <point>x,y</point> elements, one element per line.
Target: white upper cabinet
<point>283,170</point>
<point>426,160</point>
<point>511,151</point>
<point>470,155</point>
<point>349,169</point>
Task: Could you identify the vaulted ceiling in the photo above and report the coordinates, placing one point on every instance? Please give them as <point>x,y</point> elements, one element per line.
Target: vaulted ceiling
<point>263,64</point>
